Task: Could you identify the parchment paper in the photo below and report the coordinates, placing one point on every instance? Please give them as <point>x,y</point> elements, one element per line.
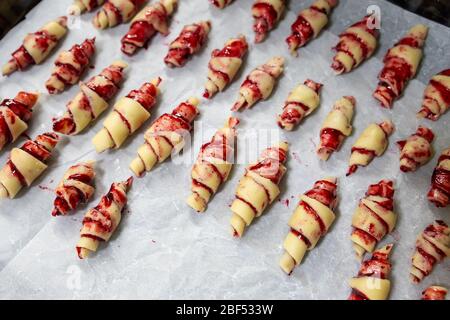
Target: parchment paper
<point>162,248</point>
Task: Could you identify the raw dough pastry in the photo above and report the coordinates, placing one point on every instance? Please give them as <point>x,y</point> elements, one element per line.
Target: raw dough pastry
<point>266,13</point>
<point>224,65</point>
<point>300,103</point>
<point>80,6</point>
<point>26,163</point>
<point>309,24</point>
<point>220,3</point>
<point>336,127</point>
<point>432,247</point>
<point>416,150</point>
<point>76,187</point>
<point>372,282</point>
<point>374,218</point>
<point>14,116</point>
<point>310,221</point>
<point>150,20</point>
<point>213,165</point>
<point>91,101</point>
<point>439,192</point>
<point>258,188</point>
<point>165,136</point>
<point>259,83</point>
<point>37,46</point>
<point>190,41</point>
<point>355,45</point>
<point>128,115</point>
<point>400,65</point>
<point>436,100</point>
<point>100,222</point>
<point>370,144</point>
<point>434,293</point>
<point>115,12</point>
<point>70,65</point>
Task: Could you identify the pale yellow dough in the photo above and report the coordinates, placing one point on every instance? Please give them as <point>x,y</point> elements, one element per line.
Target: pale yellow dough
<point>374,288</point>
<point>107,18</point>
<point>82,117</point>
<point>212,171</point>
<point>257,191</point>
<point>115,130</point>
<point>111,216</point>
<point>222,65</point>
<point>157,148</point>
<point>308,226</point>
<point>340,119</point>
<point>372,139</point>
<point>264,77</point>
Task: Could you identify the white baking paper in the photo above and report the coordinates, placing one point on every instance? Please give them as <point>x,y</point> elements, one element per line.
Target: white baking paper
<point>162,248</point>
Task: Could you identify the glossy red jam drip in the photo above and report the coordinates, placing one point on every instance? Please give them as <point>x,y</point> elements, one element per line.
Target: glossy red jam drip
<point>22,58</point>
<point>44,39</point>
<point>302,32</point>
<point>439,193</point>
<point>235,49</point>
<point>331,138</point>
<point>141,31</point>
<point>434,293</point>
<point>266,20</point>
<point>146,95</point>
<point>188,43</point>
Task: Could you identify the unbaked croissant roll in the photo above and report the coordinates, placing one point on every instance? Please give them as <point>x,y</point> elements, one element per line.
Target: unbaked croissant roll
<point>300,103</point>
<point>309,24</point>
<point>220,3</point>
<point>115,12</point>
<point>266,13</point>
<point>165,136</point>
<point>258,188</point>
<point>91,101</point>
<point>37,46</point>
<point>26,163</point>
<point>355,45</point>
<point>213,165</point>
<point>259,83</point>
<point>439,193</point>
<point>80,6</point>
<point>70,65</point>
<point>374,218</point>
<point>336,127</point>
<point>372,282</point>
<point>432,247</point>
<point>14,116</point>
<point>150,20</point>
<point>400,65</point>
<point>416,150</point>
<point>434,293</point>
<point>436,100</point>
<point>128,115</point>
<point>224,65</point>
<point>370,144</point>
<point>76,187</point>
<point>100,222</point>
<point>190,41</point>
<point>310,221</point>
